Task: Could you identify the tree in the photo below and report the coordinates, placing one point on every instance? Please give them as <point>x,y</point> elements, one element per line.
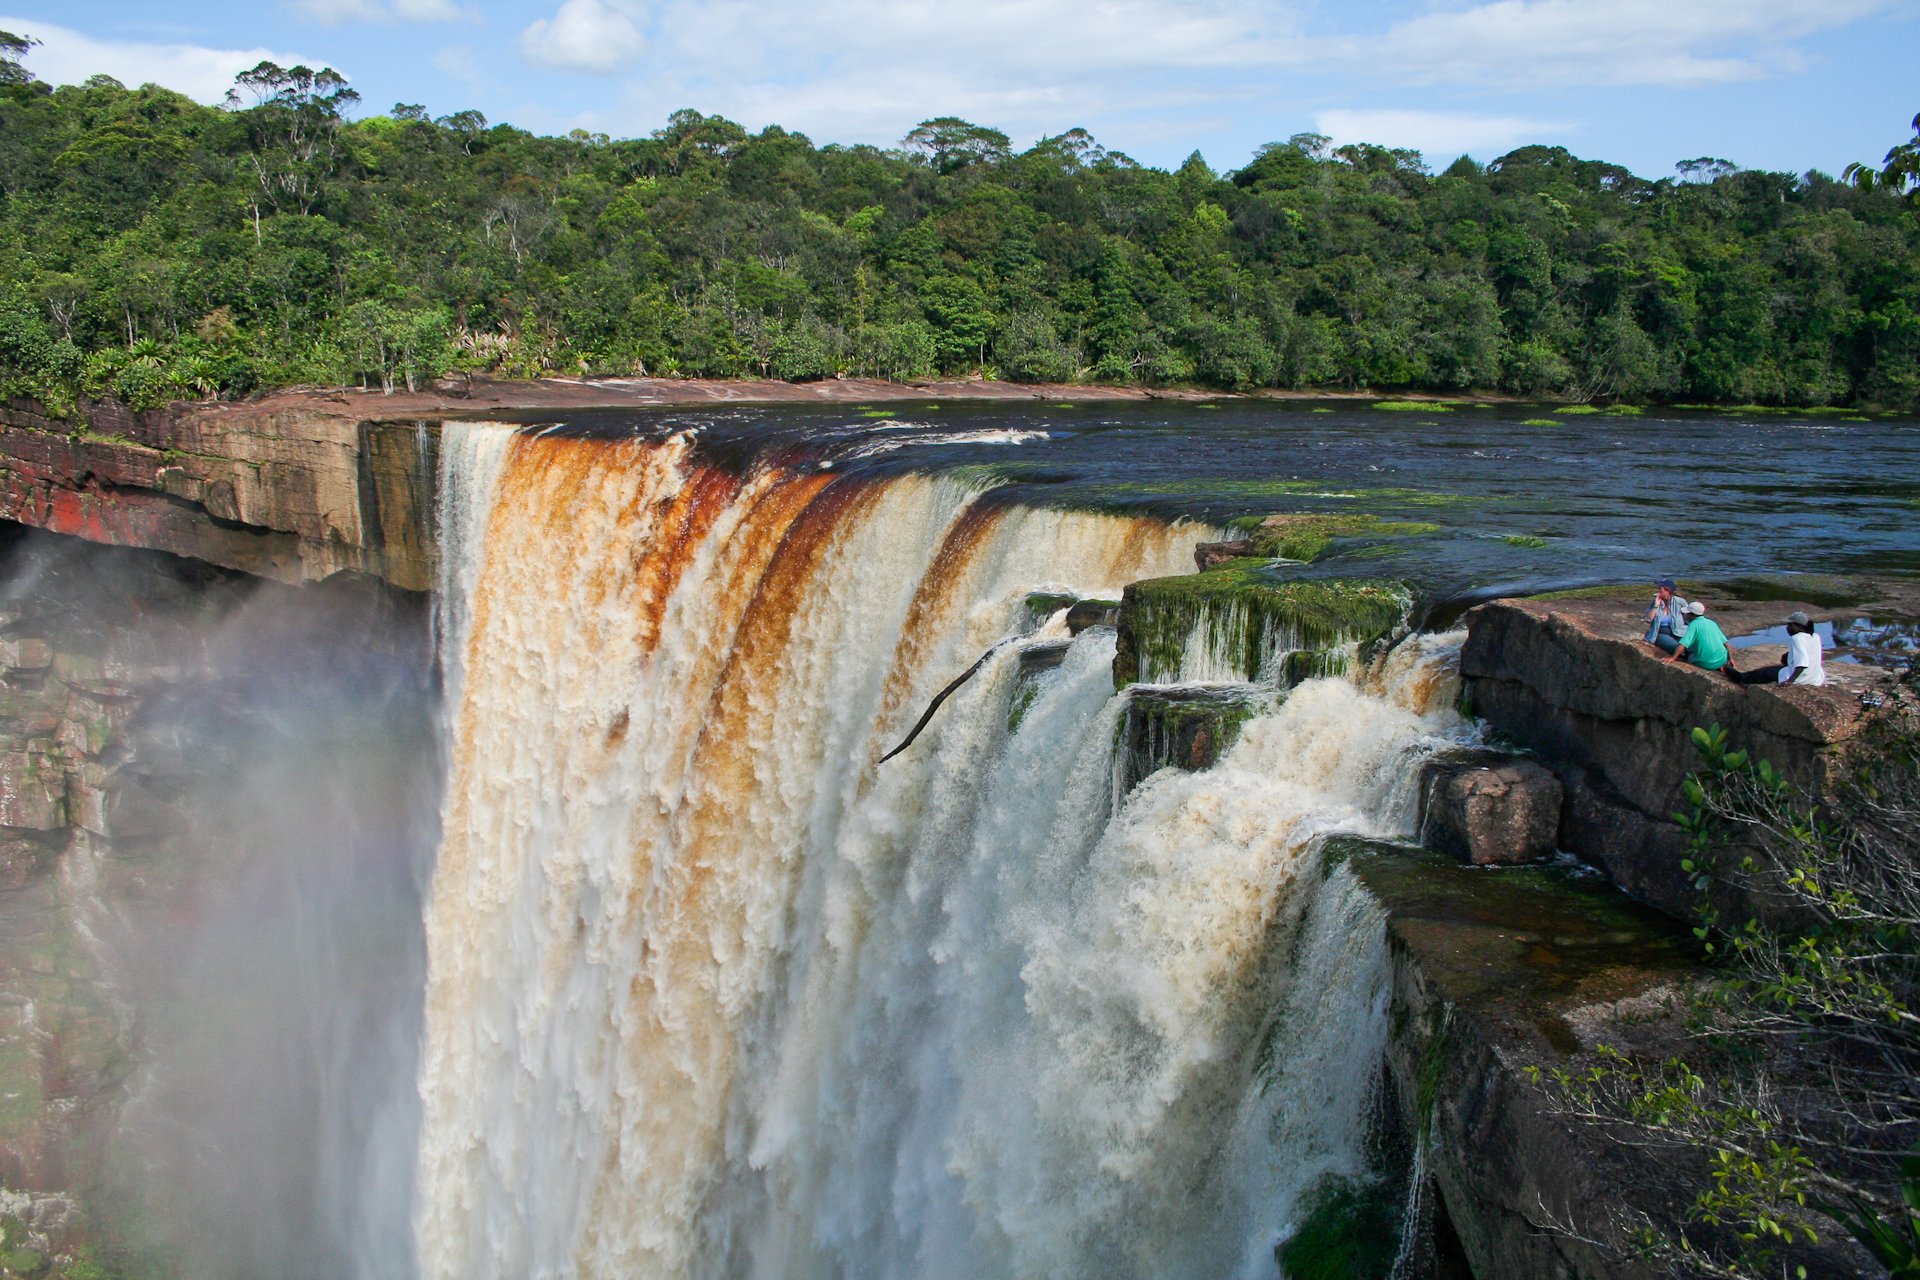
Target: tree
<point>1899,172</point>
<point>1705,169</point>
<point>294,128</point>
<point>12,49</point>
<point>951,144</point>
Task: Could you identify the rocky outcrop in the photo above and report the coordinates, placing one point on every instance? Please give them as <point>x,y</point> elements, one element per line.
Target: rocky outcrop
<point>1496,973</point>
<point>1571,680</point>
<point>1183,727</point>
<point>1489,809</point>
<point>289,493</point>
<point>1241,622</point>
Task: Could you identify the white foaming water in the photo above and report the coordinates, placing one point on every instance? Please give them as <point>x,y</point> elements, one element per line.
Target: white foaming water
<point>710,994</point>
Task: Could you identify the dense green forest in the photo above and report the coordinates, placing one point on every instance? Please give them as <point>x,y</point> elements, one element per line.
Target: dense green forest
<point>155,248</point>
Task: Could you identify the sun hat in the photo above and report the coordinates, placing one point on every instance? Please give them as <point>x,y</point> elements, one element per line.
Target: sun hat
<point>1796,619</point>
<point>1697,607</point>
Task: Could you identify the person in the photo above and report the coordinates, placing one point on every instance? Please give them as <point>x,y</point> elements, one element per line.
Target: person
<point>1800,664</point>
<point>1703,644</point>
<point>1666,617</point>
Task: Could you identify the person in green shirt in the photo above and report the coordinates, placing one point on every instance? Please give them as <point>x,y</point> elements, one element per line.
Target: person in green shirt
<point>1704,644</point>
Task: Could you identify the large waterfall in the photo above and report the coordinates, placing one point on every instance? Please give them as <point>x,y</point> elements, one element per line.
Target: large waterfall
<point>712,992</point>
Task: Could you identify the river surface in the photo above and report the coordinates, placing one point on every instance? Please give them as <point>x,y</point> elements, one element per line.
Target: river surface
<point>1613,498</point>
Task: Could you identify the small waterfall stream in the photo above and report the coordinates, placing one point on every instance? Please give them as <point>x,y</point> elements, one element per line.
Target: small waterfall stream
<point>711,994</point>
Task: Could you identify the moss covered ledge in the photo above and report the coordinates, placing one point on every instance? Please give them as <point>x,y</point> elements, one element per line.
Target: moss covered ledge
<point>1254,624</point>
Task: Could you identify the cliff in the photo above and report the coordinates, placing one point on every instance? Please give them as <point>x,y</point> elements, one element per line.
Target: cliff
<point>282,491</point>
<point>1570,679</point>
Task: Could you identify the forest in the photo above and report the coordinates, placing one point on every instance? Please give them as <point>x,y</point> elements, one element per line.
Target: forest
<point>153,248</point>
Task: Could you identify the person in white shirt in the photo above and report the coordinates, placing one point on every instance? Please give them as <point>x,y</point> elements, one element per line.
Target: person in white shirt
<point>1800,664</point>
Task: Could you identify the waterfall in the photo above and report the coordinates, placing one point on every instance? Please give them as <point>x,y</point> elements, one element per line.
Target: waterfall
<point>710,993</point>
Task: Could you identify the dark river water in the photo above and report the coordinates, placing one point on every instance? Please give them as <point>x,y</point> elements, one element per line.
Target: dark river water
<point>1527,498</point>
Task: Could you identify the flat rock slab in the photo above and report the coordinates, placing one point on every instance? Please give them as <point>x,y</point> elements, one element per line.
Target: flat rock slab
<point>1498,970</point>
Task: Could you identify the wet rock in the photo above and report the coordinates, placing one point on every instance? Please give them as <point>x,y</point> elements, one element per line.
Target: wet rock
<point>288,493</point>
<point>1185,727</point>
<point>1044,656</point>
<point>1248,620</point>
<point>1211,555</point>
<point>1490,809</point>
<point>33,791</point>
<point>1092,613</point>
<point>29,654</point>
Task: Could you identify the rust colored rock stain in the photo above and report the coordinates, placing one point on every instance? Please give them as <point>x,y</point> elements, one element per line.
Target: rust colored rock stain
<point>617,732</point>
<point>739,724</point>
<point>945,583</point>
<point>678,527</point>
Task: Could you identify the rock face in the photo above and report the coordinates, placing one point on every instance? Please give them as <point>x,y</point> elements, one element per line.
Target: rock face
<point>288,493</point>
<point>136,690</point>
<point>1186,728</point>
<point>1489,809</point>
<point>1572,681</point>
<point>1240,623</point>
<point>1528,967</point>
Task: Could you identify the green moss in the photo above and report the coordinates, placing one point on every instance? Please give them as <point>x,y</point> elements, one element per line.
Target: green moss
<point>878,413</point>
<point>1042,605</point>
<point>1303,535</point>
<point>1414,406</point>
<point>1064,405</point>
<point>25,1263</point>
<point>1024,694</point>
<point>1187,728</point>
<point>1523,540</point>
<point>1624,410</point>
<point>1577,409</point>
<point>1540,422</point>
<point>1250,618</point>
<point>1351,1231</point>
<point>1320,408</point>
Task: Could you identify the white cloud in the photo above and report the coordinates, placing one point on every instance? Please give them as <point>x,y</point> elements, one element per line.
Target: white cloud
<point>583,35</point>
<point>332,13</point>
<point>457,62</point>
<point>65,56</point>
<point>1439,136</point>
<point>1541,43</point>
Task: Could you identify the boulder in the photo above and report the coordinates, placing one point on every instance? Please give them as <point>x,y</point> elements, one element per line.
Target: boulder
<point>1491,811</point>
<point>1185,727</point>
<point>1211,555</point>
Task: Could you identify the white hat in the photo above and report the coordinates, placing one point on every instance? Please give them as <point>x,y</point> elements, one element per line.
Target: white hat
<point>1697,607</point>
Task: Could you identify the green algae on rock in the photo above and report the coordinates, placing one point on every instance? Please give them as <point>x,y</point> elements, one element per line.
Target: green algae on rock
<point>1238,623</point>
<point>1182,728</point>
<point>1304,535</point>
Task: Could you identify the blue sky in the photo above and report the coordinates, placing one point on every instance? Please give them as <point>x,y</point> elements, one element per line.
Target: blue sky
<point>1773,84</point>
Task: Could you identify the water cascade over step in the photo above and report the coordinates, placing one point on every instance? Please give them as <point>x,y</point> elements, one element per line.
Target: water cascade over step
<point>711,993</point>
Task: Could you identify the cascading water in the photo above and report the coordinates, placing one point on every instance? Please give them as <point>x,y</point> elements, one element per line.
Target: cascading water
<point>710,993</point>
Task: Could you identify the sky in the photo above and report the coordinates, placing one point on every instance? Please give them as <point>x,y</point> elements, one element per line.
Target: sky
<point>1787,85</point>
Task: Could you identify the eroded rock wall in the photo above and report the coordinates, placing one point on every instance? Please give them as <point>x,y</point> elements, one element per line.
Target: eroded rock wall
<point>287,492</point>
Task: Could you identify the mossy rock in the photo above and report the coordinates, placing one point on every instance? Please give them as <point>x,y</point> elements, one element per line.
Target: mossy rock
<point>1305,535</point>
<point>1251,618</point>
<point>1185,728</point>
<point>1351,1231</point>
